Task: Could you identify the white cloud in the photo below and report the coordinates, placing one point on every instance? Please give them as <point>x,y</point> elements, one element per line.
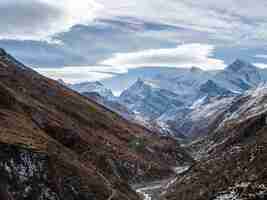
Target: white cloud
<point>261,56</point>
<point>186,55</point>
<point>233,23</point>
<point>41,19</point>
<point>232,20</point>
<point>239,20</point>
<point>77,74</point>
<point>260,65</point>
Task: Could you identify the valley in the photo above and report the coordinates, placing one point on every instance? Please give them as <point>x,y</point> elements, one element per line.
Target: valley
<point>217,123</point>
<point>156,189</point>
<point>133,100</point>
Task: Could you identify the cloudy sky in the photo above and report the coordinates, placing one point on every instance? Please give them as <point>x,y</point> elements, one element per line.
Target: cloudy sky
<point>80,40</point>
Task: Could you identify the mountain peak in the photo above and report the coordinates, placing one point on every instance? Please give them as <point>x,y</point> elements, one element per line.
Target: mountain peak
<point>62,82</point>
<point>239,64</point>
<point>140,80</point>
<point>89,87</point>
<point>99,83</point>
<point>194,69</point>
<point>145,83</point>
<point>2,52</point>
<point>213,89</point>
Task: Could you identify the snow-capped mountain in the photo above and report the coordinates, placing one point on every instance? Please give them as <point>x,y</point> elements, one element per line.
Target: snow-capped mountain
<point>249,105</point>
<point>239,76</point>
<point>196,120</point>
<point>180,102</point>
<point>148,100</point>
<point>93,87</point>
<point>185,83</point>
<point>212,89</point>
<point>185,102</point>
<point>97,92</point>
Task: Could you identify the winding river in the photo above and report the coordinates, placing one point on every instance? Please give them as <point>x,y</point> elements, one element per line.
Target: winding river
<point>154,190</point>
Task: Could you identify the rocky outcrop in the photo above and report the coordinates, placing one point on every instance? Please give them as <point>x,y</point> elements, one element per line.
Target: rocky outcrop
<point>26,174</point>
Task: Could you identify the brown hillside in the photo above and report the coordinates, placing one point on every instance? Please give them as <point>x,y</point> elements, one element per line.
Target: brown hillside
<point>56,144</point>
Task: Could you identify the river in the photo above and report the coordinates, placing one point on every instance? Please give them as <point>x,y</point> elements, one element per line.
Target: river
<point>154,190</point>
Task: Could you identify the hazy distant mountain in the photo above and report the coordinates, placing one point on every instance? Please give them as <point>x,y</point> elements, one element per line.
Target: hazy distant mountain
<point>175,101</point>
<point>97,87</point>
<point>122,82</point>
<point>97,92</point>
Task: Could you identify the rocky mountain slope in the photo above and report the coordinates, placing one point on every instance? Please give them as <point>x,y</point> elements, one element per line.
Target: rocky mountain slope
<point>231,159</point>
<point>200,95</point>
<point>57,144</point>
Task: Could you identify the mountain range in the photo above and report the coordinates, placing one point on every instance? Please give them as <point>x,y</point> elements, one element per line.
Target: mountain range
<point>173,101</point>
<point>60,144</point>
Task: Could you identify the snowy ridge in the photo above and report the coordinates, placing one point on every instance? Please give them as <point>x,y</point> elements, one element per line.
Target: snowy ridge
<point>96,87</point>
<point>202,94</point>
<point>184,101</point>
<point>149,101</point>
<point>198,103</point>
<point>253,104</point>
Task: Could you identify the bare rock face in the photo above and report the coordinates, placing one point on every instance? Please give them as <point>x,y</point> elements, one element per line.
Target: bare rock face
<point>26,174</point>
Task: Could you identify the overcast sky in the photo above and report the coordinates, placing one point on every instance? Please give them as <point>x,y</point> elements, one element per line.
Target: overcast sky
<point>83,39</point>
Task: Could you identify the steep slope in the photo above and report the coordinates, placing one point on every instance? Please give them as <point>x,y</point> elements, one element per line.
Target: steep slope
<point>112,104</point>
<point>232,159</point>
<point>56,144</point>
<point>193,121</point>
<point>196,121</point>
